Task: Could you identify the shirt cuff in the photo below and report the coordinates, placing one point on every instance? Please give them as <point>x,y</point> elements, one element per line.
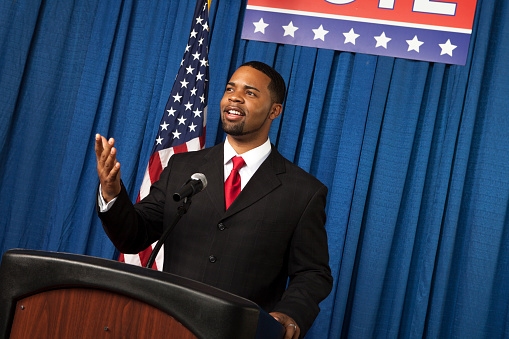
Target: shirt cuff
<point>103,205</point>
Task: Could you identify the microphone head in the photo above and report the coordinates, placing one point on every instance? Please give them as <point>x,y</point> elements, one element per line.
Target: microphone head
<point>202,178</point>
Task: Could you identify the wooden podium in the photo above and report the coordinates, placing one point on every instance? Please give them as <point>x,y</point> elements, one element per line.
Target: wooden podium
<point>60,295</point>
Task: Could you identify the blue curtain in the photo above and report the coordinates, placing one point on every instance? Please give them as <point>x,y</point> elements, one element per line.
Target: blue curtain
<point>415,154</point>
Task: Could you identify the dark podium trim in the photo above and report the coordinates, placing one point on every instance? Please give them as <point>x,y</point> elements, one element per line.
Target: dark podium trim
<point>206,311</point>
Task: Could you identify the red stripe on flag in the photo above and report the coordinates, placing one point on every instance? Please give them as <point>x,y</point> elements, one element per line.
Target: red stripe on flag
<point>180,148</point>
<point>145,255</point>
<point>154,167</point>
<point>202,138</point>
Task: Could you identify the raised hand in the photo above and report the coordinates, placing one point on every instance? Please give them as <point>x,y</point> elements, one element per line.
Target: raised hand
<point>108,168</point>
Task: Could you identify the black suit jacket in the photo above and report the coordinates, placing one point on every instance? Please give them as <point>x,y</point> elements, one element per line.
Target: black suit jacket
<point>272,231</point>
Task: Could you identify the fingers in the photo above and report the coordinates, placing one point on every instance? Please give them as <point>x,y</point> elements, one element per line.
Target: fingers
<point>103,148</point>
<point>108,168</point>
<point>292,331</point>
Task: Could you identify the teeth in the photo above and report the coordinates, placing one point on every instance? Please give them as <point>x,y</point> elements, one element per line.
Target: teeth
<point>234,112</point>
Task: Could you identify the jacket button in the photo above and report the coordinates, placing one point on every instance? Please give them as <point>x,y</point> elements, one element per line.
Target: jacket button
<point>212,259</point>
<point>221,226</point>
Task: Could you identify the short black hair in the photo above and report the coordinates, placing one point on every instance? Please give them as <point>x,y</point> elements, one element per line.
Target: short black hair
<point>277,85</point>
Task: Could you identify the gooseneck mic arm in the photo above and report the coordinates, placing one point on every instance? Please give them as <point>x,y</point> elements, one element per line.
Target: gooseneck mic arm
<point>196,184</point>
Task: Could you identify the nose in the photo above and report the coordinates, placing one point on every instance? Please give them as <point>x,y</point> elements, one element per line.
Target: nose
<point>235,96</point>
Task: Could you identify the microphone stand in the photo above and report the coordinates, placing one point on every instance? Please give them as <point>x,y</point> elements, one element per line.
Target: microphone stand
<point>181,210</point>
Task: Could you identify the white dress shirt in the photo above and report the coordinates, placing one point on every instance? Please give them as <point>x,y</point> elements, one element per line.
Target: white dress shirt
<point>253,159</point>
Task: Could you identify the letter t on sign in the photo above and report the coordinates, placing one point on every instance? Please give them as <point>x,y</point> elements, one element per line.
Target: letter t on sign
<point>425,6</point>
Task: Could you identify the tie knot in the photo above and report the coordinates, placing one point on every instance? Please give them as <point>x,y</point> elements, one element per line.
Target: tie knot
<point>238,162</point>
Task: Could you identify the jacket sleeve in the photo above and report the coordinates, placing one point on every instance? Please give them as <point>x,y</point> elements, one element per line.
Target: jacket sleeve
<point>132,228</point>
<point>308,266</point>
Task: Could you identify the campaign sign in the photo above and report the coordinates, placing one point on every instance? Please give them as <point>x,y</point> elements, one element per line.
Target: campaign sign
<point>428,30</point>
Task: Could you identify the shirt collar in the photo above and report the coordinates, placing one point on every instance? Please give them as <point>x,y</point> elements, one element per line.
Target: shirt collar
<point>253,158</point>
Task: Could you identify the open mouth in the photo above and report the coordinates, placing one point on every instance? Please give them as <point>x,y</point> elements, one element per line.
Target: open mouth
<point>234,112</point>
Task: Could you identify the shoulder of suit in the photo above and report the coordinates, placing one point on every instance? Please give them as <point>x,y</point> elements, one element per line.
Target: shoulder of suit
<point>293,170</point>
<point>198,153</point>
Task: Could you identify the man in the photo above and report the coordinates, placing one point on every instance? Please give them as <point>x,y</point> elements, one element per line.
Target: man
<point>274,229</point>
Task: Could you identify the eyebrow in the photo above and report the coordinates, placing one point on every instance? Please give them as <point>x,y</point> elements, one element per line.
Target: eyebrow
<point>246,86</point>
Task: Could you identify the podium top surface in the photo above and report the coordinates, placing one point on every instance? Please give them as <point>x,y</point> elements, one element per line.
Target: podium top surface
<point>207,311</point>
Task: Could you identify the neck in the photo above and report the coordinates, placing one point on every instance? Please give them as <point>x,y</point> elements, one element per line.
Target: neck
<point>241,146</point>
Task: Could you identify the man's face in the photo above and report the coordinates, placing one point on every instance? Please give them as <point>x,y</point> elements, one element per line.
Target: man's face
<point>246,107</point>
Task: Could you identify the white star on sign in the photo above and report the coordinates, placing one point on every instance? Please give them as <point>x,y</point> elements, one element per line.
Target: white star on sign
<point>320,33</point>
<point>414,44</point>
<point>164,126</point>
<point>350,36</point>
<point>290,29</point>
<point>260,26</point>
<point>176,134</point>
<point>447,48</point>
<point>382,40</point>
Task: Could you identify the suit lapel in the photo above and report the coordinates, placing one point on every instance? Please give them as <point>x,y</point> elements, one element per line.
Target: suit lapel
<point>213,168</point>
<point>263,182</point>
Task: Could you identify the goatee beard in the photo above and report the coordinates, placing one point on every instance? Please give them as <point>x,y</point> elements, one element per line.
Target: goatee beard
<point>233,129</point>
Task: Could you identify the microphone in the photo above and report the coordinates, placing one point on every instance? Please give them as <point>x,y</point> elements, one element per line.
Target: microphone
<point>196,184</point>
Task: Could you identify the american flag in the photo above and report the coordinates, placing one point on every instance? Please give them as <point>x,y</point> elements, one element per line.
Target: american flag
<point>182,126</point>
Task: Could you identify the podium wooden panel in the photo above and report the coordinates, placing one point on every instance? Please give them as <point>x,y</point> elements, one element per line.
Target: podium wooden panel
<point>59,295</point>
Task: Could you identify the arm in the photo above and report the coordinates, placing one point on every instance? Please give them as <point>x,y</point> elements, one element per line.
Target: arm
<point>308,268</point>
<point>131,229</point>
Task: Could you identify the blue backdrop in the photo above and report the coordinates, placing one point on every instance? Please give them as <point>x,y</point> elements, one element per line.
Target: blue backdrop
<point>415,154</point>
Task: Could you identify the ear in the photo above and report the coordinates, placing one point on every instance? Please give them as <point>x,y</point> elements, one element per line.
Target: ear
<point>275,111</point>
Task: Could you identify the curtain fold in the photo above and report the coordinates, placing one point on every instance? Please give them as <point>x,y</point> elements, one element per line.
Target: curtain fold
<point>415,154</point>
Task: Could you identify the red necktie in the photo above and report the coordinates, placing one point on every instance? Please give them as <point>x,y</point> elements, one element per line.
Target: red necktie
<point>232,184</point>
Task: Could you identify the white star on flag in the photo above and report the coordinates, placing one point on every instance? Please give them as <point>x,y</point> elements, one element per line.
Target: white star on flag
<point>414,44</point>
<point>382,40</point>
<point>447,48</point>
<point>176,134</point>
<point>260,26</point>
<point>320,33</point>
<point>171,111</point>
<point>164,126</point>
<point>192,127</point>
<point>197,113</point>
<point>177,97</point>
<point>350,36</point>
<point>184,83</point>
<point>182,120</point>
<point>290,29</point>
<point>159,140</point>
